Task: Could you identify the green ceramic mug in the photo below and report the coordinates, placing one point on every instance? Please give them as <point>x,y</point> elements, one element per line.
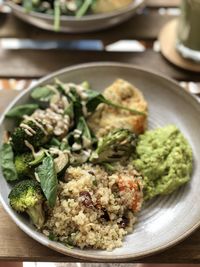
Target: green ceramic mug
<point>188,34</point>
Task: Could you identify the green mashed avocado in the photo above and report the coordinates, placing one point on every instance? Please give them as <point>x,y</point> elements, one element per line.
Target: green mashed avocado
<point>164,157</point>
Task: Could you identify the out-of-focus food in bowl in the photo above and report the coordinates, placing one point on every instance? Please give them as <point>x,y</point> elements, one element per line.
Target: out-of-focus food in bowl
<point>78,9</point>
<point>103,6</point>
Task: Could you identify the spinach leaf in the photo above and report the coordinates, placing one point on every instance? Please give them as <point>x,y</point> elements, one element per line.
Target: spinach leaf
<point>69,111</point>
<point>21,110</point>
<point>64,145</point>
<point>95,98</point>
<point>54,142</point>
<point>83,127</point>
<point>75,99</point>
<point>118,106</point>
<point>48,179</point>
<point>73,95</point>
<point>60,86</point>
<point>92,94</point>
<point>78,111</point>
<point>42,94</point>
<point>81,138</point>
<point>7,162</point>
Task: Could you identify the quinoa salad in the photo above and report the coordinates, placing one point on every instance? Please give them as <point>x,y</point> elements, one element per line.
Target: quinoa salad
<point>82,163</point>
<point>95,208</point>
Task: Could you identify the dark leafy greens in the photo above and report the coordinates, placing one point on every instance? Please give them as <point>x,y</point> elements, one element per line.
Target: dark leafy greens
<point>95,98</point>
<point>7,162</point>
<point>21,110</point>
<point>76,107</point>
<point>92,100</point>
<point>39,151</point>
<point>48,179</point>
<point>70,110</point>
<point>81,135</point>
<point>86,134</point>
<point>42,93</point>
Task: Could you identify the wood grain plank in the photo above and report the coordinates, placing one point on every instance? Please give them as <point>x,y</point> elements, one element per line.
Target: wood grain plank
<point>145,26</point>
<point>17,246</point>
<point>163,3</point>
<point>60,264</point>
<point>36,63</point>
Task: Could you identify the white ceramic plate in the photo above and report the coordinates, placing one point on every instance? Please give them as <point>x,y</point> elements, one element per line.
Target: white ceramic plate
<point>71,24</point>
<point>165,220</point>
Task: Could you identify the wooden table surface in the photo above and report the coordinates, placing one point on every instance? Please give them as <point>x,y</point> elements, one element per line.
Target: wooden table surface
<point>26,64</point>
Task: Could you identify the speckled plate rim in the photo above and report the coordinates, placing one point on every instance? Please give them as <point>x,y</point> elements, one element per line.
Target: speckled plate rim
<point>83,254</point>
<point>132,6</point>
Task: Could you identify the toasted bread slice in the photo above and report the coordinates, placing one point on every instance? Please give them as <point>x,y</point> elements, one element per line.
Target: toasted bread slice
<point>107,118</point>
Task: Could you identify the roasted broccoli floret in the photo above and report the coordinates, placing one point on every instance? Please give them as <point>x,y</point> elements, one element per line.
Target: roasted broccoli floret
<point>118,144</point>
<point>31,133</point>
<point>22,165</point>
<point>27,197</point>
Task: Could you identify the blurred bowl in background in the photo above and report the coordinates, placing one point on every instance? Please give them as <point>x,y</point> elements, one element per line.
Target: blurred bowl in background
<point>71,24</point>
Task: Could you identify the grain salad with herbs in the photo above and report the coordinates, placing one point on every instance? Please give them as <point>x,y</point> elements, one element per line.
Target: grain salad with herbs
<point>79,161</point>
